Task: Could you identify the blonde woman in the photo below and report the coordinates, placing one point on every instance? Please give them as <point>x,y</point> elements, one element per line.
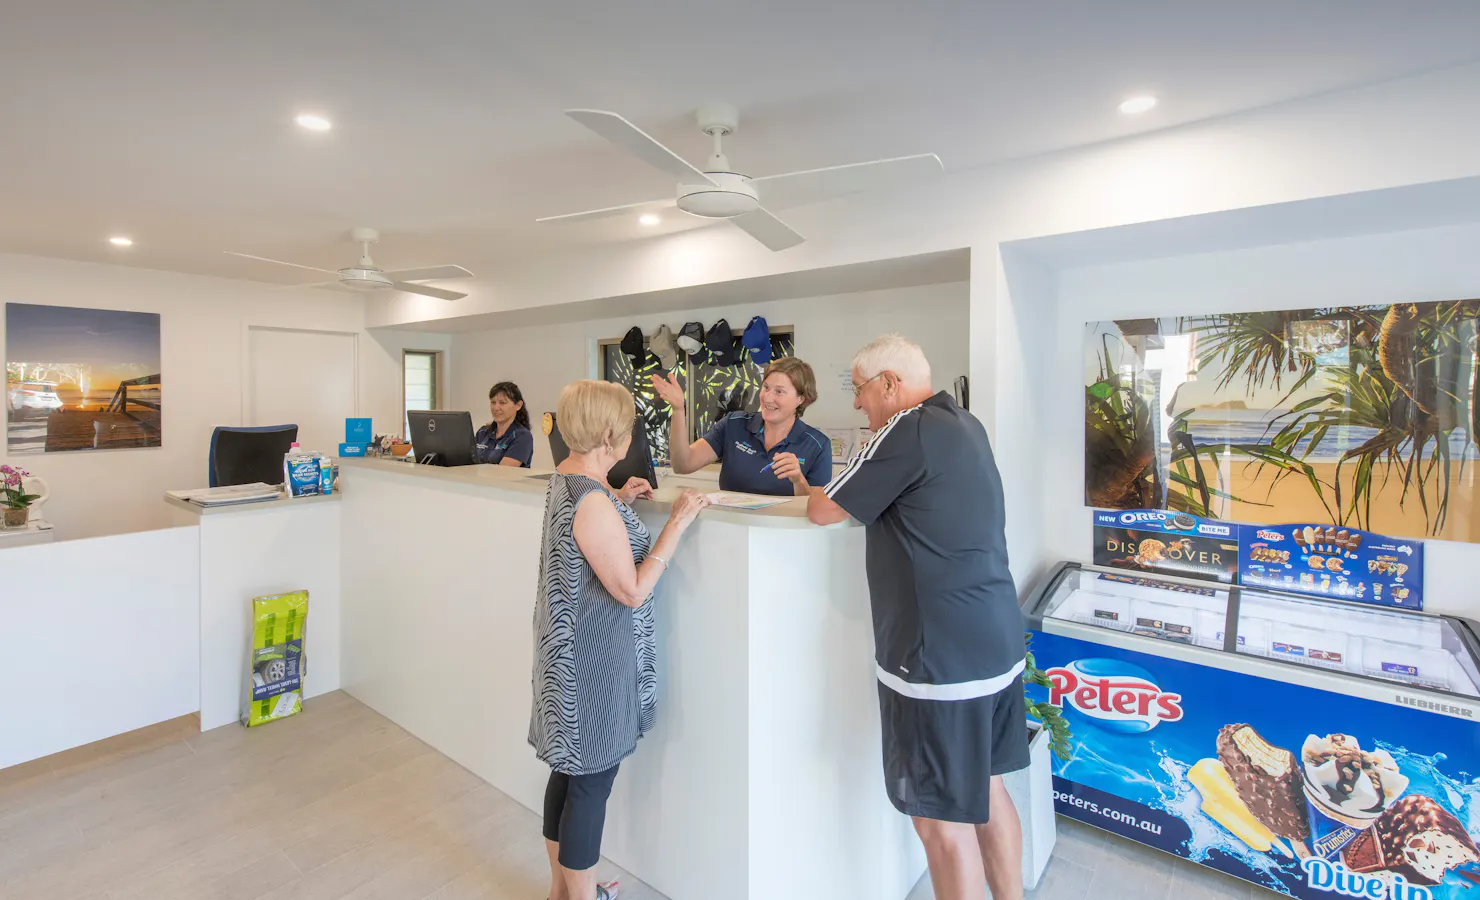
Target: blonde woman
<point>595,682</point>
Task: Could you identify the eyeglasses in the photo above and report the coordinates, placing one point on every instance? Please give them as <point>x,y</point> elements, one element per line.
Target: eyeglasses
<point>858,388</point>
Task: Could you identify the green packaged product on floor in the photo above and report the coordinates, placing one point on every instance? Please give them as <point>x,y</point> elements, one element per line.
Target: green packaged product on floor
<point>275,680</point>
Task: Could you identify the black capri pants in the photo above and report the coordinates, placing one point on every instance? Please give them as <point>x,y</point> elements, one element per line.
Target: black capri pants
<point>575,814</point>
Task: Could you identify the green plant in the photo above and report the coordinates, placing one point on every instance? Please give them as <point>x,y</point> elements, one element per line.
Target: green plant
<point>1051,716</point>
<point>13,495</point>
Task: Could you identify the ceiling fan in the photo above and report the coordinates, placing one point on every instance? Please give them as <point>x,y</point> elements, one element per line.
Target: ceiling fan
<point>717,191</point>
<point>365,275</point>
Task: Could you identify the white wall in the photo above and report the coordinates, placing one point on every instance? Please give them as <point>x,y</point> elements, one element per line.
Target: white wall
<point>203,327</point>
<point>1433,264</point>
<point>65,606</point>
<point>543,359</point>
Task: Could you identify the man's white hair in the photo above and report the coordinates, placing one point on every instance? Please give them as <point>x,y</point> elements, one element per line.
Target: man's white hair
<point>894,353</point>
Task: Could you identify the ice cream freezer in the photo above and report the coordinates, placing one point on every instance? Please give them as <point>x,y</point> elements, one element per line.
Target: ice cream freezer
<point>1315,747</point>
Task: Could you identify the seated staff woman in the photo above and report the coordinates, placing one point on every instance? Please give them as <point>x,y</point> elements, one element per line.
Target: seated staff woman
<point>595,678</point>
<point>507,440</point>
<point>771,451</point>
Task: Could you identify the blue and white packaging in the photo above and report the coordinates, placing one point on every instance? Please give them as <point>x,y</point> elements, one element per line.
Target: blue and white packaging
<point>352,449</point>
<point>301,473</point>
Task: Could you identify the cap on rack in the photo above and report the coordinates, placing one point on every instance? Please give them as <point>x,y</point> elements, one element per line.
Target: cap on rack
<point>691,338</point>
<point>757,341</point>
<point>635,347</point>
<point>721,344</point>
<point>663,346</point>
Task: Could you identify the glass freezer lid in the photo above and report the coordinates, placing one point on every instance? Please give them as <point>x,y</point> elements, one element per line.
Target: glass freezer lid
<point>1405,648</point>
<point>1148,606</point>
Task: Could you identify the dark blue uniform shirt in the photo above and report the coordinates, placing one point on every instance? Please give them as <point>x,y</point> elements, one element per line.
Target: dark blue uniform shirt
<point>739,440</point>
<point>517,443</point>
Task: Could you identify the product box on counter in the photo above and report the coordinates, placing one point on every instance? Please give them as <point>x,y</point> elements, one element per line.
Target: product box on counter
<point>357,431</point>
<point>1312,793</point>
<point>353,449</point>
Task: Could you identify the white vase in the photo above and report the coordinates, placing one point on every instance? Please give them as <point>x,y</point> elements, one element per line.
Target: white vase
<point>1032,793</point>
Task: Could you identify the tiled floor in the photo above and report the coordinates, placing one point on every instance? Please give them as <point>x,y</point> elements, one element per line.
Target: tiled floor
<point>1090,864</point>
<point>341,804</point>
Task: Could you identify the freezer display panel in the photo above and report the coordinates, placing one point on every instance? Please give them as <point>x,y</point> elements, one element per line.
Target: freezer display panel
<point>1148,606</point>
<point>1313,793</point>
<point>1423,651</point>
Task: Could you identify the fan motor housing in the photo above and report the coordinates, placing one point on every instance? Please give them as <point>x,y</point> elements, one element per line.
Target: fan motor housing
<point>362,279</point>
<point>731,195</point>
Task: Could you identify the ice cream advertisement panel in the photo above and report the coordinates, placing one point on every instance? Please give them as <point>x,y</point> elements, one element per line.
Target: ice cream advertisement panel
<point>1311,793</point>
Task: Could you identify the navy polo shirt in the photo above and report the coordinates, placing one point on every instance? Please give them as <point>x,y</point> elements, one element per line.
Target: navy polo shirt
<point>946,618</point>
<point>517,443</point>
<point>739,440</point>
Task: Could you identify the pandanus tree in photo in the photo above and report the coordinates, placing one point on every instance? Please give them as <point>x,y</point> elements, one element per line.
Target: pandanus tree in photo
<point>1410,377</point>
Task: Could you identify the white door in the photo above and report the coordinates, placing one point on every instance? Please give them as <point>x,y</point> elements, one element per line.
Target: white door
<point>307,378</point>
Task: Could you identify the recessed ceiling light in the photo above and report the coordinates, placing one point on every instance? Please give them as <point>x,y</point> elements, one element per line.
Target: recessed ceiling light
<point>649,219</point>
<point>1137,105</point>
<point>313,122</point>
<point>121,241</point>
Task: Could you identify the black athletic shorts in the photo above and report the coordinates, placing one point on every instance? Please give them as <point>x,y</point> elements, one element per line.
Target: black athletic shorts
<point>940,755</point>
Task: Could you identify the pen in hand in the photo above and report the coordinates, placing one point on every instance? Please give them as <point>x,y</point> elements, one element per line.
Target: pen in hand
<point>767,468</point>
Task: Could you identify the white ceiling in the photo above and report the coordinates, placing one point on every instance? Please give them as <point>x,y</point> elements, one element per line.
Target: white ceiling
<point>171,120</point>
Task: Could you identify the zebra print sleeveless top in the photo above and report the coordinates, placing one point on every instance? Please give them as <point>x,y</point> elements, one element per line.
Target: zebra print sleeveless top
<point>595,662</point>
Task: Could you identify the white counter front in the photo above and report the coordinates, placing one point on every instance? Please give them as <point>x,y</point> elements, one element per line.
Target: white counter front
<point>762,776</point>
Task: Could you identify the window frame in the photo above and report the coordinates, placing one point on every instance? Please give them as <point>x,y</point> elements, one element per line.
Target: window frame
<point>436,392</point>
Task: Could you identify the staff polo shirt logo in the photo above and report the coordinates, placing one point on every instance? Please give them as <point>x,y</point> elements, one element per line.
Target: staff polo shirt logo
<point>744,447</point>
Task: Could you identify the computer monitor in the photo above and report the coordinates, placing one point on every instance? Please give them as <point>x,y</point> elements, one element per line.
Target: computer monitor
<point>249,455</point>
<point>638,462</point>
<point>442,437</point>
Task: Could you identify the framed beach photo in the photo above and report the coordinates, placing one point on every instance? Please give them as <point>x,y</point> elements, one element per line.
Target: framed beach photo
<point>1361,416</point>
<point>81,379</point>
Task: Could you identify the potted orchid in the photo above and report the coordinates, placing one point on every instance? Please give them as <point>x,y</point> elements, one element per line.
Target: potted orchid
<point>13,496</point>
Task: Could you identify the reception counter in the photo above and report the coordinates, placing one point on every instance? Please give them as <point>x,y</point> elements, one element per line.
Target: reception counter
<point>761,777</point>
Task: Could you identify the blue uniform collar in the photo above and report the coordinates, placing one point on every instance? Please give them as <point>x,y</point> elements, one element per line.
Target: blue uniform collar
<point>492,429</point>
<point>757,428</point>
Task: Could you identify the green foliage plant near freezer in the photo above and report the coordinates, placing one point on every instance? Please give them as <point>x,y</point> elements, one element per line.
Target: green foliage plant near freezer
<point>1051,717</point>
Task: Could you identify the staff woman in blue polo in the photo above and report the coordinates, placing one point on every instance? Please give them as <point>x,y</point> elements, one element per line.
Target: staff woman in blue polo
<point>770,451</point>
<point>507,440</point>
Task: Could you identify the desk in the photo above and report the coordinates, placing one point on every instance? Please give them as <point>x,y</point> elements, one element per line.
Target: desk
<point>761,777</point>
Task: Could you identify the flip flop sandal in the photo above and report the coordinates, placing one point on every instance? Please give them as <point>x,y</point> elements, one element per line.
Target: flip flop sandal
<point>606,890</point>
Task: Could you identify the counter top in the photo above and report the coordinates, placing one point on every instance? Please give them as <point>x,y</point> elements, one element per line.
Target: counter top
<point>196,509</point>
<point>792,514</point>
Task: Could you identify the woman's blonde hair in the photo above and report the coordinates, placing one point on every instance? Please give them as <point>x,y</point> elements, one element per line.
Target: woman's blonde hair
<point>592,413</point>
<point>801,377</point>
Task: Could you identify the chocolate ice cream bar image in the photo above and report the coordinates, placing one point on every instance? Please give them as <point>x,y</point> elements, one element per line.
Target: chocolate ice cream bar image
<point>1422,841</point>
<point>1354,541</point>
<point>1268,780</point>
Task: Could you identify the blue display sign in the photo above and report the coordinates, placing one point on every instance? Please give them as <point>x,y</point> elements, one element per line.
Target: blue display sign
<point>1334,562</point>
<point>1311,793</point>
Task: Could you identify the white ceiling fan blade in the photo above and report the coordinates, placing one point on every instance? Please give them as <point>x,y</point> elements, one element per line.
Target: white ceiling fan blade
<point>637,142</point>
<point>652,205</point>
<point>434,273</point>
<point>280,262</point>
<point>813,185</point>
<point>425,291</point>
<point>768,229</point>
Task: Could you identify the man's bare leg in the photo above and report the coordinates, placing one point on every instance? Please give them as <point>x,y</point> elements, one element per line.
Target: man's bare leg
<point>955,858</point>
<point>1001,845</point>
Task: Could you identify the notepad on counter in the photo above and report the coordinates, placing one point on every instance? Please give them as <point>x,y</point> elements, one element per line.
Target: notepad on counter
<point>258,492</point>
<point>737,500</point>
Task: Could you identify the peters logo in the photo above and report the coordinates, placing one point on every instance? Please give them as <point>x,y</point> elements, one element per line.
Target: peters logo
<point>1116,695</point>
<point>1269,535</point>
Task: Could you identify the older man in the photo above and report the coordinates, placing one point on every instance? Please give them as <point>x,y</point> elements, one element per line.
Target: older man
<point>948,634</point>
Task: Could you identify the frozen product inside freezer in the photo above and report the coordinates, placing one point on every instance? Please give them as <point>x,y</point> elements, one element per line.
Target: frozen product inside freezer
<point>1325,648</point>
<point>1408,663</point>
<point>1146,606</point>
